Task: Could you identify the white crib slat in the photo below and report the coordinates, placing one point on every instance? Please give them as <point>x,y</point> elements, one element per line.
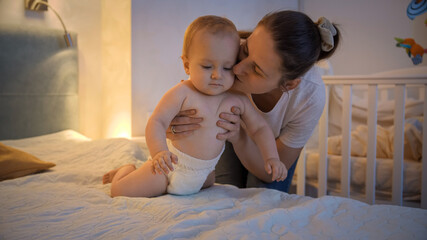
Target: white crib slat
<point>372,143</point>
<point>422,93</point>
<point>399,119</point>
<point>424,160</point>
<point>323,148</point>
<point>346,141</point>
<point>301,173</point>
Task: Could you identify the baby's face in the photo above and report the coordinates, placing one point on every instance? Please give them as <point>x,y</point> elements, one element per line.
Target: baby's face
<point>211,60</point>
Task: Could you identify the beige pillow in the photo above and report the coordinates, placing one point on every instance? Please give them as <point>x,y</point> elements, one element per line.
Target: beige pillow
<point>15,163</point>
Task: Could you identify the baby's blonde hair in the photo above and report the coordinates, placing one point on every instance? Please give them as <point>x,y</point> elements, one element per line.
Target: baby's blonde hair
<point>211,23</point>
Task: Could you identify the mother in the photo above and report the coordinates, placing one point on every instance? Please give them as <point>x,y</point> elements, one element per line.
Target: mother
<point>276,70</point>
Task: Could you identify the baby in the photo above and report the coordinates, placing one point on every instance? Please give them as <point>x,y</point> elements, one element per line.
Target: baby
<point>181,166</point>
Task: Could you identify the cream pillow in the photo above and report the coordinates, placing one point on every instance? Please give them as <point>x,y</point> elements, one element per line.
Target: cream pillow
<point>16,163</point>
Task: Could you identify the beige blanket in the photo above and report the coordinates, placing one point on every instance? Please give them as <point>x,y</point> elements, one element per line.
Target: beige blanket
<point>385,138</point>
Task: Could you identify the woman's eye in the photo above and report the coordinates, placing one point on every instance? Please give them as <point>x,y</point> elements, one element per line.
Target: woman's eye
<point>257,72</point>
<point>228,69</point>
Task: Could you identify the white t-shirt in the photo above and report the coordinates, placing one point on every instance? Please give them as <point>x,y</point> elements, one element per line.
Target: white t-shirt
<point>297,112</point>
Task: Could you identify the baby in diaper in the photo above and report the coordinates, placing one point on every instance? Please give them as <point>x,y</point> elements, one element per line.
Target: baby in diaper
<point>189,173</point>
<point>181,166</point>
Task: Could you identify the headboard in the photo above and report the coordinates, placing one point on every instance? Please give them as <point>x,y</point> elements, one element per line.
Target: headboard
<point>38,82</point>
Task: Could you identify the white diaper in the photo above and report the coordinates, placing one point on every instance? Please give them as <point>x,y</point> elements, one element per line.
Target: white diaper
<point>190,173</point>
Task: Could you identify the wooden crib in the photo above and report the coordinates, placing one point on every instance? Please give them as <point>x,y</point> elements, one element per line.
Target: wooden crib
<point>372,82</point>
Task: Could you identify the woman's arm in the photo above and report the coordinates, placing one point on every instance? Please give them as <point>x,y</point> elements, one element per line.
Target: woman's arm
<point>287,155</point>
<point>249,155</point>
<point>246,149</point>
<point>262,135</point>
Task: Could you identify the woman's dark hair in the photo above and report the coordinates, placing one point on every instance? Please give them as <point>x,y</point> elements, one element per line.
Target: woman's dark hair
<point>297,40</point>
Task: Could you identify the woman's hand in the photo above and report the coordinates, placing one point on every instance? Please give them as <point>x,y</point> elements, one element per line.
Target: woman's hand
<point>231,123</point>
<point>276,168</point>
<point>162,162</point>
<point>183,124</point>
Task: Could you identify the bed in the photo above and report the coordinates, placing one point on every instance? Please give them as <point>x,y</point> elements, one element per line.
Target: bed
<point>67,200</point>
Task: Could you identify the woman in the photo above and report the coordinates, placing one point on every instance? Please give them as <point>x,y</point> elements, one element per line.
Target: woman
<point>276,71</point>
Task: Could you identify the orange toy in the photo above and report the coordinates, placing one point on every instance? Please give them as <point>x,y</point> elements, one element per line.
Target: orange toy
<point>414,50</point>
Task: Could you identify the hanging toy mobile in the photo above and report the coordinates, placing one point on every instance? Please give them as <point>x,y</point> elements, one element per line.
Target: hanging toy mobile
<point>416,8</point>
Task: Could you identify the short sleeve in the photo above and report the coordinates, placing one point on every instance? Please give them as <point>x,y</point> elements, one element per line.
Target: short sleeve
<point>298,130</point>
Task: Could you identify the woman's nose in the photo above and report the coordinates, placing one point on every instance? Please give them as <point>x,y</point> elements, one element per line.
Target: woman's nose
<point>238,68</point>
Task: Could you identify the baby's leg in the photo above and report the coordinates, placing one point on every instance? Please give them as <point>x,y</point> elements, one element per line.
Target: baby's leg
<point>138,183</point>
<point>108,177</point>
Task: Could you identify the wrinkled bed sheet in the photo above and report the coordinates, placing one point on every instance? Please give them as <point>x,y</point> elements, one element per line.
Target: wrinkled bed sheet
<point>70,202</point>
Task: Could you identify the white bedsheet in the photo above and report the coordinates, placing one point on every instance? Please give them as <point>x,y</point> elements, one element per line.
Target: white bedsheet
<point>70,202</point>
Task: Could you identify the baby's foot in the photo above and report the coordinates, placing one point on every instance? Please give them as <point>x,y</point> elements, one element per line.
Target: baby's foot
<point>108,177</point>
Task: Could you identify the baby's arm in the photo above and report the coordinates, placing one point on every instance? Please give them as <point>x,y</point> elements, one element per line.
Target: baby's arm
<point>155,131</point>
<point>263,136</point>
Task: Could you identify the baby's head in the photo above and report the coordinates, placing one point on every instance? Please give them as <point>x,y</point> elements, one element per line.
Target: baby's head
<point>211,45</point>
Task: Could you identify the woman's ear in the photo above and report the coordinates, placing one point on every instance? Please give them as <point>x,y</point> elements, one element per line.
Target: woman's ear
<point>186,64</point>
<point>291,84</point>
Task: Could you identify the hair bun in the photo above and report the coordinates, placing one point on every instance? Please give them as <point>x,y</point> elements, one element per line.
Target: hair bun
<point>327,33</point>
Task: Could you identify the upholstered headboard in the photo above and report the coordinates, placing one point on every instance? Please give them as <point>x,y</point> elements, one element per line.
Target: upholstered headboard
<point>38,82</point>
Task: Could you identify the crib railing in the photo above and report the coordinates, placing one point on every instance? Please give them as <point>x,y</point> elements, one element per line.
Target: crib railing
<point>347,82</point>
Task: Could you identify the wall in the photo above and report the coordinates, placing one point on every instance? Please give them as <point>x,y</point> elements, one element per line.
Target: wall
<point>116,71</point>
<point>104,39</point>
<point>157,33</point>
<point>103,28</point>
<point>368,30</point>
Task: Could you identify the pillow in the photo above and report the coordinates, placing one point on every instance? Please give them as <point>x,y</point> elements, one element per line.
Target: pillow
<point>15,163</point>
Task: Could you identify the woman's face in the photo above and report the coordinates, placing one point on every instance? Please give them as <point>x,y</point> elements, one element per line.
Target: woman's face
<point>259,69</point>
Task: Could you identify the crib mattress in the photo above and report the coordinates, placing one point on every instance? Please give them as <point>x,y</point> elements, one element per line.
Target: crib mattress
<point>384,171</point>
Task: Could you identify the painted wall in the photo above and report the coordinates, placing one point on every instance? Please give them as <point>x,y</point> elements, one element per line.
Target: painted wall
<point>368,29</point>
<point>103,28</point>
<point>105,35</point>
<point>157,34</point>
<point>116,70</point>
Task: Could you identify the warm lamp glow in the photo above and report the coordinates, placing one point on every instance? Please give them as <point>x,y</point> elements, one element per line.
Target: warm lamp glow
<point>120,126</point>
<point>123,132</point>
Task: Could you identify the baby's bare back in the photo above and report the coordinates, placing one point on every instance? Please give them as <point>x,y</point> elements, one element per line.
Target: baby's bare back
<point>203,143</point>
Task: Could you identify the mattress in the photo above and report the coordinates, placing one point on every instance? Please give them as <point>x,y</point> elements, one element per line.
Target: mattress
<point>384,175</point>
<point>69,201</point>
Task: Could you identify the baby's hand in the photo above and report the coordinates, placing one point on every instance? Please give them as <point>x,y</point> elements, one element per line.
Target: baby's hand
<point>275,167</point>
<point>162,162</point>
